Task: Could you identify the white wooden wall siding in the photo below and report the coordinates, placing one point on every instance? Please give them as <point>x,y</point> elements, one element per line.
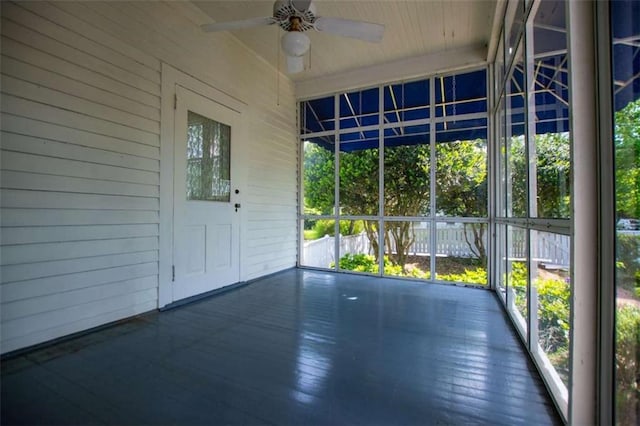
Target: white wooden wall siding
<point>80,159</point>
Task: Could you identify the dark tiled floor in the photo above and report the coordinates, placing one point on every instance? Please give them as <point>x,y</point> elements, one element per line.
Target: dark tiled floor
<point>299,347</point>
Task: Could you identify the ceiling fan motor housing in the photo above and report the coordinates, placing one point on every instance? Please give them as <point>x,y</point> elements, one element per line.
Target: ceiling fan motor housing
<point>305,11</point>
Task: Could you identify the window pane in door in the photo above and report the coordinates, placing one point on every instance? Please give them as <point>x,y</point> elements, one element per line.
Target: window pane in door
<point>208,159</point>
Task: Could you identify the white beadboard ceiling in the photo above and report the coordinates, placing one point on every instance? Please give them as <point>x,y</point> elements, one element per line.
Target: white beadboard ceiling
<point>429,35</point>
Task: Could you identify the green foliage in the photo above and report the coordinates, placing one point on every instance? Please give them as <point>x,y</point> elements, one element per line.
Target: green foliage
<point>322,227</point>
<point>309,223</point>
<point>518,164</point>
<point>628,325</point>
<point>553,307</point>
<point>319,180</point>
<point>407,177</point>
<point>627,363</point>
<point>360,262</point>
<point>627,172</point>
<point>627,157</point>
<point>554,327</point>
<point>310,234</point>
<point>473,276</point>
<point>406,191</point>
<point>461,189</point>
<point>517,280</point>
<point>461,171</point>
<point>553,175</point>
<point>359,182</point>
<point>628,262</point>
<point>553,314</point>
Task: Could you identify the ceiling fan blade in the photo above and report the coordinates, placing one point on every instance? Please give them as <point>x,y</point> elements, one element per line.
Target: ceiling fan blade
<point>238,25</point>
<point>295,64</point>
<point>366,31</point>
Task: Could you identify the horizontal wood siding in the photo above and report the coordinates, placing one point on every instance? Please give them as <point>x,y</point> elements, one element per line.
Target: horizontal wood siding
<point>80,159</point>
<point>271,208</point>
<point>79,176</point>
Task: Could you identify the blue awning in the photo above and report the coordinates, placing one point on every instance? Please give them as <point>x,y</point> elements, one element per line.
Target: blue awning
<point>625,26</point>
<point>460,108</point>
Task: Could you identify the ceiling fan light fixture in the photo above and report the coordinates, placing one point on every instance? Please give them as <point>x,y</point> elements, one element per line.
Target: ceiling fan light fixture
<point>295,43</point>
<point>295,64</point>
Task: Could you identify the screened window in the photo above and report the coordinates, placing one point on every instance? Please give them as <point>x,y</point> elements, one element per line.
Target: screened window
<point>404,158</point>
<point>625,47</point>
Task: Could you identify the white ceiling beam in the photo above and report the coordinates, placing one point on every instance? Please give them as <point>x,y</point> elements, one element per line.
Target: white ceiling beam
<point>498,16</point>
<point>401,70</point>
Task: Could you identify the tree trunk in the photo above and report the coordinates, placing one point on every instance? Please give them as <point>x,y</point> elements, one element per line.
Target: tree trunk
<point>403,236</point>
<point>477,246</point>
<point>372,234</point>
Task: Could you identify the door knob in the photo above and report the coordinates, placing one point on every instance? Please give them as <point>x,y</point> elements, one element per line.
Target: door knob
<point>237,206</point>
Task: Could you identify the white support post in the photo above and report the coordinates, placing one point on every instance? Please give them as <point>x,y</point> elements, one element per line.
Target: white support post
<point>381,210</point>
<point>491,181</point>
<point>432,178</point>
<point>336,187</point>
<point>585,241</point>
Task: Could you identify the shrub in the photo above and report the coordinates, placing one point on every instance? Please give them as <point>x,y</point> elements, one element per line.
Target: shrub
<point>324,227</point>
<point>310,234</point>
<point>627,363</point>
<point>473,276</point>
<point>360,262</point>
<point>553,314</point>
<point>628,264</point>
<point>309,223</point>
<point>517,279</point>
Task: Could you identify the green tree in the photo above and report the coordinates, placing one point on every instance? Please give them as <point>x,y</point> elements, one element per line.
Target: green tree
<point>319,166</point>
<point>406,191</point>
<point>627,157</point>
<point>462,175</point>
<point>517,177</point>
<point>461,187</point>
<point>553,173</point>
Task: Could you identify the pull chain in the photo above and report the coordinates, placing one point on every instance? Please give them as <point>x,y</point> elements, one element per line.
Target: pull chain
<point>278,69</point>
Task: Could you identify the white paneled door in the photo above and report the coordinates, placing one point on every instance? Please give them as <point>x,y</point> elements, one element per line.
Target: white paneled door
<point>206,202</point>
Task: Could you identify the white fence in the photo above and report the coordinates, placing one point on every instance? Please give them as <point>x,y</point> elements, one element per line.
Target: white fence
<point>320,253</point>
<point>450,241</point>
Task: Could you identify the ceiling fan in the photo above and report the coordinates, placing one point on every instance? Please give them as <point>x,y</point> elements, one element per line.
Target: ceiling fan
<point>296,17</point>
